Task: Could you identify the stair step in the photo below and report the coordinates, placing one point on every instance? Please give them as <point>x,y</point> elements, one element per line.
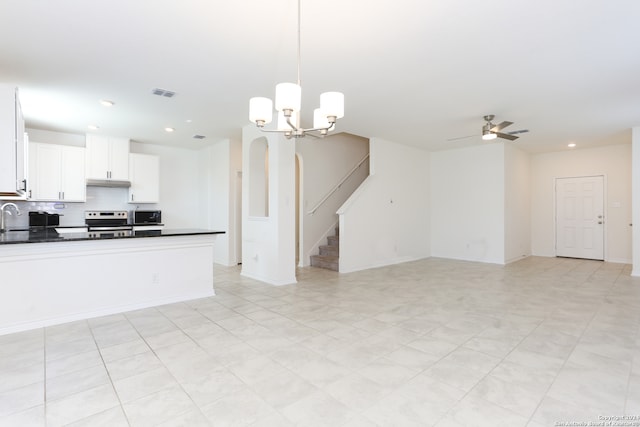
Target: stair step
<point>325,261</point>
<point>332,250</point>
<point>333,240</point>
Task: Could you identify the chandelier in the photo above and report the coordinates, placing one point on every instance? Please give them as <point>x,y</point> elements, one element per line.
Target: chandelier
<point>288,102</point>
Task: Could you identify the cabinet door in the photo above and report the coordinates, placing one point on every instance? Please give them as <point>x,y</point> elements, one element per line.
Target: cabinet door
<point>33,170</point>
<point>7,139</point>
<point>12,145</point>
<point>145,178</point>
<point>119,159</point>
<point>97,157</point>
<point>73,182</point>
<point>22,150</point>
<point>48,165</point>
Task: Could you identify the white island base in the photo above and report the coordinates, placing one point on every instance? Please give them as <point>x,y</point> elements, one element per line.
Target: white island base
<point>43,284</point>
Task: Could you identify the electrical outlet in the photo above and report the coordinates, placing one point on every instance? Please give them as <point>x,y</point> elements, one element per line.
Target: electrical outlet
<point>155,278</point>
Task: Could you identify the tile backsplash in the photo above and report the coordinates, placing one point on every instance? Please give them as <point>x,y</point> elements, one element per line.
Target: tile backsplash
<point>72,214</point>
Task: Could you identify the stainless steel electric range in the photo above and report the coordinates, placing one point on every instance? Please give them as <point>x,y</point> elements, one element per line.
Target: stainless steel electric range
<point>108,223</point>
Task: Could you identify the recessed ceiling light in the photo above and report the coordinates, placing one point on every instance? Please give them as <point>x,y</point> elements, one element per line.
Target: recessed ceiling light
<point>169,129</point>
<point>572,145</point>
<point>107,103</point>
<point>188,120</point>
<point>93,127</point>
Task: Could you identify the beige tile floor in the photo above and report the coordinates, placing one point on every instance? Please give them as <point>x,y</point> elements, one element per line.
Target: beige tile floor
<point>427,343</point>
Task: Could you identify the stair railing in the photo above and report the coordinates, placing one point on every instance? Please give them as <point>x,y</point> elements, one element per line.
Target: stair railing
<point>337,186</point>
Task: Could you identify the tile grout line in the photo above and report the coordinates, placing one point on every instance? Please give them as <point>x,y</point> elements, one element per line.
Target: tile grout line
<point>44,361</point>
<point>104,364</point>
<point>165,366</point>
<point>566,360</point>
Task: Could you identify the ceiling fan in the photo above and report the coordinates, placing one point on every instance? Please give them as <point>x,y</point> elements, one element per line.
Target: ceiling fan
<point>491,131</point>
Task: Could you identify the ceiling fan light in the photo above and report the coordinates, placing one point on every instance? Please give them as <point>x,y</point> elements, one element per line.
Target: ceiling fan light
<point>332,104</point>
<point>260,110</point>
<point>488,135</point>
<point>288,96</point>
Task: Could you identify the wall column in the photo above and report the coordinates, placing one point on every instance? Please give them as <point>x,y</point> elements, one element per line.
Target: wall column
<point>635,199</point>
<point>268,238</point>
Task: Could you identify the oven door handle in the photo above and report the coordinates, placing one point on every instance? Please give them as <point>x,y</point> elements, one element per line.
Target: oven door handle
<point>109,228</point>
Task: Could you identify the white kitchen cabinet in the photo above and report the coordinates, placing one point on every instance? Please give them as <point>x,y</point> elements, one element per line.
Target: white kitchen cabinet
<point>144,172</point>
<point>13,148</point>
<point>107,158</point>
<point>57,172</point>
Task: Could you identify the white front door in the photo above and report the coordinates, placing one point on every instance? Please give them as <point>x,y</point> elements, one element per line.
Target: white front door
<point>580,217</point>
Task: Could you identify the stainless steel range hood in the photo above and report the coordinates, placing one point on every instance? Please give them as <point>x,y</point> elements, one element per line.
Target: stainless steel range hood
<point>108,183</point>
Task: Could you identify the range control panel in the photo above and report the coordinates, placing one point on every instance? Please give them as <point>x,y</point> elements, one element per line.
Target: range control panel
<point>106,215</point>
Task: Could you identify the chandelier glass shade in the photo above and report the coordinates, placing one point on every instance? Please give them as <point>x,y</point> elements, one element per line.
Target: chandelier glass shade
<point>288,102</point>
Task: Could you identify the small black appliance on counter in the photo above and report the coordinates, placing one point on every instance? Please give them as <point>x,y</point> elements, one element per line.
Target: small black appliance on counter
<point>43,219</point>
<point>147,217</point>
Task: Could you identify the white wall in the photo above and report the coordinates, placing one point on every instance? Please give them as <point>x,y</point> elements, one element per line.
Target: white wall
<point>517,215</point>
<point>386,220</point>
<point>635,153</point>
<point>268,243</point>
<point>235,208</point>
<point>614,162</point>
<point>214,186</point>
<point>217,169</point>
<point>179,185</point>
<point>324,163</point>
<point>61,138</point>
<point>468,203</point>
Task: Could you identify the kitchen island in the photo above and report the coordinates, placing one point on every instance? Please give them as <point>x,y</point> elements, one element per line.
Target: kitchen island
<point>47,278</point>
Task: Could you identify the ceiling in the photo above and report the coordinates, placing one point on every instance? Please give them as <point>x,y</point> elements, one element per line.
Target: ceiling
<point>413,71</point>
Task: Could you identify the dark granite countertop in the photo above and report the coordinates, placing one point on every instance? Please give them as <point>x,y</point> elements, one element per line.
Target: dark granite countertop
<point>44,235</point>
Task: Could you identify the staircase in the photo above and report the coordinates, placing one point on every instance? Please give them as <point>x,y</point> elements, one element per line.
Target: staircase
<point>329,253</point>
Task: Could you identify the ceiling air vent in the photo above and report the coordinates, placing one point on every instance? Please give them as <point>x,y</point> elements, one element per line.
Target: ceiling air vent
<point>199,137</point>
<point>163,92</point>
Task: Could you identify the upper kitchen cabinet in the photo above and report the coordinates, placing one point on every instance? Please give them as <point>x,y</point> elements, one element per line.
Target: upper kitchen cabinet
<point>13,146</point>
<point>56,172</point>
<point>107,158</point>
<point>144,172</point>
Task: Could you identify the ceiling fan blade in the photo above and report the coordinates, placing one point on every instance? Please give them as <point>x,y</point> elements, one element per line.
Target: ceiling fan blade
<point>507,136</point>
<point>462,137</point>
<point>500,126</point>
<point>515,132</point>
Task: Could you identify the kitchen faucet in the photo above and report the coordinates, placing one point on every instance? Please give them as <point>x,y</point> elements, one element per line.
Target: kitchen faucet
<point>4,209</point>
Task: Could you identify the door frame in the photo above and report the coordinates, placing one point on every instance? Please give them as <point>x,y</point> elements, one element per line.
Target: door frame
<point>605,246</point>
<point>237,217</point>
<point>299,165</point>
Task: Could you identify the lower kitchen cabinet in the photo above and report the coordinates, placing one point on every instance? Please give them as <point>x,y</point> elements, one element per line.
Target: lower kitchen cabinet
<point>74,278</point>
<point>56,172</point>
<point>144,173</point>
